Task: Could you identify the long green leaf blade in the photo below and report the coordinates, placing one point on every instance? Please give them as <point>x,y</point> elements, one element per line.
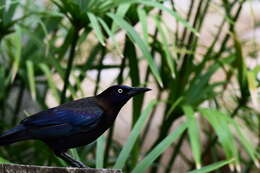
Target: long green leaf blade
<point>169,58</point>
<point>219,122</point>
<point>212,167</point>
<point>100,152</point>
<point>170,11</point>
<point>14,47</point>
<point>141,44</point>
<point>95,25</point>
<point>30,75</point>
<point>121,11</point>
<point>124,154</point>
<point>193,131</point>
<point>159,149</point>
<point>143,20</point>
<point>110,33</point>
<point>244,141</point>
<point>51,82</point>
<point>2,160</point>
<point>75,153</point>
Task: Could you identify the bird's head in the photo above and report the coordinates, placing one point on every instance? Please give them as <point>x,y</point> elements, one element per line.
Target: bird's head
<point>116,96</point>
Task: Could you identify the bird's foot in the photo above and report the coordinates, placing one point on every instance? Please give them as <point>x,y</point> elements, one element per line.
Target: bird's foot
<point>74,163</point>
<point>78,164</point>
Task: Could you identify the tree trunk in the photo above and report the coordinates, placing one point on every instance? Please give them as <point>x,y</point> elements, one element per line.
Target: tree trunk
<point>13,168</point>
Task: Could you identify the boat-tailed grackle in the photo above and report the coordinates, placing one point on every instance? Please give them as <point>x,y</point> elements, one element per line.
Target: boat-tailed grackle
<point>73,124</point>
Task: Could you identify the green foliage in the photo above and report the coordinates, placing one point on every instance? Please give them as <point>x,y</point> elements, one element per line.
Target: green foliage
<point>50,53</point>
<point>212,167</point>
<point>193,131</point>
<point>125,153</point>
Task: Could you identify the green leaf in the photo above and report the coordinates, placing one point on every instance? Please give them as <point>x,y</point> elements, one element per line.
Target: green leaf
<point>95,25</point>
<point>51,82</point>
<point>121,11</point>
<point>14,47</point>
<point>164,42</point>
<point>141,44</point>
<point>200,85</point>
<point>124,154</point>
<point>159,149</point>
<point>241,66</point>
<point>220,124</point>
<point>110,33</point>
<point>193,131</point>
<point>31,79</point>
<point>212,167</point>
<point>100,152</point>
<point>45,31</point>
<point>2,160</point>
<point>2,84</point>
<point>245,141</point>
<point>8,14</point>
<point>143,20</point>
<point>75,154</point>
<point>252,86</point>
<point>170,11</point>
<point>130,54</point>
<point>2,9</point>
<point>174,105</point>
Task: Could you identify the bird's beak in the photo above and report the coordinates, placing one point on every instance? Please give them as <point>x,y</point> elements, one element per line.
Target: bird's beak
<point>136,91</point>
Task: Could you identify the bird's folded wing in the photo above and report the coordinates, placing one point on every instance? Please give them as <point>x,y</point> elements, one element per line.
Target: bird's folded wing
<point>61,122</point>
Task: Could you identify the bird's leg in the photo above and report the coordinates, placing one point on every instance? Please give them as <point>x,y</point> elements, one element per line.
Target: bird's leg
<point>70,160</point>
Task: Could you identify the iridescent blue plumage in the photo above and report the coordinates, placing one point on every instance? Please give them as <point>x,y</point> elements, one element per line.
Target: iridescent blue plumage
<point>58,122</point>
<point>73,124</point>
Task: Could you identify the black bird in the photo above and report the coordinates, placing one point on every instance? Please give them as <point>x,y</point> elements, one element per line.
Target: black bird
<point>73,124</point>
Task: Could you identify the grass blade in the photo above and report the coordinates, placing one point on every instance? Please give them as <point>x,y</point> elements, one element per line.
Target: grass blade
<point>170,11</point>
<point>141,44</point>
<point>110,33</point>
<point>245,141</point>
<point>2,160</point>
<point>124,154</point>
<point>100,152</point>
<point>193,131</point>
<point>169,58</point>
<point>219,122</point>
<point>252,86</point>
<point>14,47</point>
<point>30,75</point>
<point>51,82</point>
<point>212,167</point>
<point>75,154</point>
<point>121,11</point>
<point>143,20</point>
<point>159,149</point>
<point>95,25</point>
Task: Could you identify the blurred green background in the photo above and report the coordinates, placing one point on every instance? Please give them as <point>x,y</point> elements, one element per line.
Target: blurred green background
<point>200,57</point>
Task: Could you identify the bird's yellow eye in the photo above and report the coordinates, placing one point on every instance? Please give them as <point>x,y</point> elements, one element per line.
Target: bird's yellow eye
<point>120,90</point>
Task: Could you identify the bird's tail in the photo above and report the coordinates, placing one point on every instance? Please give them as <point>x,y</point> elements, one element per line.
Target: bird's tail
<point>13,135</point>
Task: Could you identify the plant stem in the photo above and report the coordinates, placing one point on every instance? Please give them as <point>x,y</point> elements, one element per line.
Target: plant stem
<point>215,138</point>
<point>187,19</point>
<point>103,53</point>
<point>75,38</point>
<point>231,29</point>
<point>149,122</point>
<point>18,103</point>
<point>175,152</point>
<point>108,144</point>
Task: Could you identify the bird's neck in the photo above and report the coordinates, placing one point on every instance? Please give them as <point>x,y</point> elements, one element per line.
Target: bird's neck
<point>109,107</point>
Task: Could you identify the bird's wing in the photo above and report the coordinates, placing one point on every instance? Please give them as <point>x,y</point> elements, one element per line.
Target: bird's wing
<point>61,122</point>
